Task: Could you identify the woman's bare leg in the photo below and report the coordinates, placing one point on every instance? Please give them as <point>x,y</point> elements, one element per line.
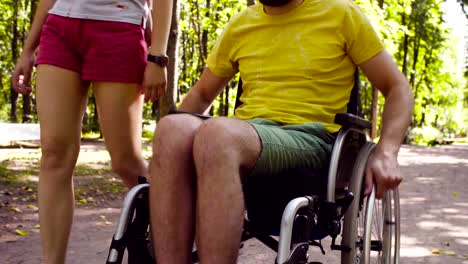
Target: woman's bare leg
<point>61,100</point>
<point>120,108</point>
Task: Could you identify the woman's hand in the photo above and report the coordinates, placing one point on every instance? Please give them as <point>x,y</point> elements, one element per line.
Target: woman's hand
<point>154,82</point>
<point>21,77</point>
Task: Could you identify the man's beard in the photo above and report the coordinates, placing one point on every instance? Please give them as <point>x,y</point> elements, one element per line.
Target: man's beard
<point>274,3</point>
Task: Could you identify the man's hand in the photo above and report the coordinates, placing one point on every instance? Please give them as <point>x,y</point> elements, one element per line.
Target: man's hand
<point>21,77</point>
<point>383,167</point>
<point>154,82</point>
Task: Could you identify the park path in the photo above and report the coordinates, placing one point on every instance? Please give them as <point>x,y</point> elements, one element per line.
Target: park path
<point>434,215</point>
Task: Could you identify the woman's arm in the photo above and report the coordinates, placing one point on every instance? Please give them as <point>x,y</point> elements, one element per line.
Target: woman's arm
<point>161,19</point>
<point>155,78</point>
<point>32,41</point>
<point>21,76</point>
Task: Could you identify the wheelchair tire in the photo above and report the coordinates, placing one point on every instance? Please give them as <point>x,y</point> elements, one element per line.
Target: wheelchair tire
<point>371,227</point>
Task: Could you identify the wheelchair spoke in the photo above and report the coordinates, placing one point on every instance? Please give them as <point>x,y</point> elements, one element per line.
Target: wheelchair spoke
<point>371,226</point>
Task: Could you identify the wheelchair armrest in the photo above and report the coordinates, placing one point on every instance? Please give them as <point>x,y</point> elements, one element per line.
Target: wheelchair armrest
<point>204,117</point>
<point>347,120</point>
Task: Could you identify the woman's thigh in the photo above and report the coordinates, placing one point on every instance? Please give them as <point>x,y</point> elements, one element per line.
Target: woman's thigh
<point>120,107</point>
<point>61,101</point>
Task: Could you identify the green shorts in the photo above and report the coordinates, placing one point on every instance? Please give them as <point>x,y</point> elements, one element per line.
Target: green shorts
<point>291,146</point>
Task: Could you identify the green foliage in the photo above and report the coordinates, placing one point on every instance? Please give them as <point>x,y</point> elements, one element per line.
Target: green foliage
<point>15,17</point>
<point>201,21</point>
<point>415,32</point>
<point>148,134</point>
<point>426,135</point>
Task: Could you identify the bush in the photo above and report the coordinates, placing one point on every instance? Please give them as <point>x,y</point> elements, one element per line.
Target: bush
<point>426,135</point>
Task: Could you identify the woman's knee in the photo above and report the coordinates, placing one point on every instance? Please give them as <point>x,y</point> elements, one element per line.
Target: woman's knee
<point>58,153</point>
<point>129,165</point>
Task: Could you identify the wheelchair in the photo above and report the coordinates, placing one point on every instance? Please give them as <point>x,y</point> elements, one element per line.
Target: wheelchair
<point>296,209</point>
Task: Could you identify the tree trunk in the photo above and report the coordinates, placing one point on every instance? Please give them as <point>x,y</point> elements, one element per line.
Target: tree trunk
<point>27,98</point>
<point>417,42</point>
<point>226,100</point>
<point>14,57</point>
<point>375,101</point>
<point>374,112</point>
<point>405,48</point>
<point>221,104</point>
<point>167,102</point>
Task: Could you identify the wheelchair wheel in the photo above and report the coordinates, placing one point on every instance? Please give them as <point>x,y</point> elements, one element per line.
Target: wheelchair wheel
<point>371,228</point>
<point>133,234</point>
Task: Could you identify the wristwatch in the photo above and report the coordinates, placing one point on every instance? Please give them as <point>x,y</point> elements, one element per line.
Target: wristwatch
<point>161,60</point>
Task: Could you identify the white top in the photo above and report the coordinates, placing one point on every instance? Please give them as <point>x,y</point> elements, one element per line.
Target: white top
<point>129,11</point>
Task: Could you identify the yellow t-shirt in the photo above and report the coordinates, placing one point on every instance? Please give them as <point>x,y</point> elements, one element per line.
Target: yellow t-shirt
<point>296,67</point>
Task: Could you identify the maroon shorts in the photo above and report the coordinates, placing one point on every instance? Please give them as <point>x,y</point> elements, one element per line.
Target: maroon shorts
<point>100,51</point>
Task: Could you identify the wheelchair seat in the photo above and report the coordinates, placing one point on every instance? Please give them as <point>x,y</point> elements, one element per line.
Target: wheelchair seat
<point>266,196</point>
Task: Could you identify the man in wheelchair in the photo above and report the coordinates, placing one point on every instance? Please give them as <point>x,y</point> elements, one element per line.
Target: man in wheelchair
<point>297,60</point>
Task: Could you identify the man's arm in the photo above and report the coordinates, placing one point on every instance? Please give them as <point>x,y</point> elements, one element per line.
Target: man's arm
<point>202,94</point>
<point>384,74</point>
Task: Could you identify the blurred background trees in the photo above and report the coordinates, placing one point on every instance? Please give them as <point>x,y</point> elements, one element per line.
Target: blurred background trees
<point>428,39</point>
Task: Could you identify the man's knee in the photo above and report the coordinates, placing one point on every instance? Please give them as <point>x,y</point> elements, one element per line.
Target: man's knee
<point>218,139</point>
<point>174,132</point>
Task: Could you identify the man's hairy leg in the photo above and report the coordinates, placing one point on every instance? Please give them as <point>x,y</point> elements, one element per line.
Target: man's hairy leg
<point>172,191</point>
<point>224,149</point>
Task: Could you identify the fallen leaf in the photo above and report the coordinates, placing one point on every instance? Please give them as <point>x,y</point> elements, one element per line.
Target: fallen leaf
<point>33,207</point>
<point>447,244</point>
<point>455,194</point>
<point>436,251</point>
<point>15,209</point>
<point>37,226</point>
<point>103,217</point>
<point>83,201</point>
<point>450,253</point>
<point>21,232</point>
<point>108,223</point>
<point>465,256</point>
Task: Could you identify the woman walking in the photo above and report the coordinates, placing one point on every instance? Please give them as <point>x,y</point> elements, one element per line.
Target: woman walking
<point>78,43</point>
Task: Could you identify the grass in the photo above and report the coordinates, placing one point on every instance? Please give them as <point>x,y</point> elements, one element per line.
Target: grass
<point>93,181</point>
<point>88,170</point>
<point>14,177</point>
<point>459,140</point>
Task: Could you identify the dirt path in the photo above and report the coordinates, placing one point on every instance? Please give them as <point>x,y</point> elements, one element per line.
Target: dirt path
<point>434,216</point>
